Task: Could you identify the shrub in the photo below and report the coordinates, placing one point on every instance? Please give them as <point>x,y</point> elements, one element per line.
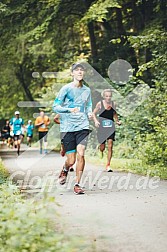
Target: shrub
<point>27,226</point>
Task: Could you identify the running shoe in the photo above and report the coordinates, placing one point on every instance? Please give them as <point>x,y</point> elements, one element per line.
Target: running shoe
<point>63,177</point>
<point>78,190</point>
<point>108,168</point>
<point>45,151</point>
<point>40,151</point>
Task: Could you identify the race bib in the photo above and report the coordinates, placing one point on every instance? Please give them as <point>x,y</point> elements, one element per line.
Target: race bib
<point>107,123</point>
<point>43,126</point>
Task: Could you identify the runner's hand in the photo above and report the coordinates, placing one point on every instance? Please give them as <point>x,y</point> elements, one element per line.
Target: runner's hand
<point>74,110</point>
<point>56,120</point>
<point>97,124</point>
<point>118,122</point>
<point>90,116</point>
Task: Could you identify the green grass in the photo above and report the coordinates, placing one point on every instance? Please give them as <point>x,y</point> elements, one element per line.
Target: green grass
<point>127,165</point>
<point>122,164</point>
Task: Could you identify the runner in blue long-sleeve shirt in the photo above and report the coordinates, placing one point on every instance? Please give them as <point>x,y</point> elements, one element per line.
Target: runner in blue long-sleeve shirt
<point>74,105</point>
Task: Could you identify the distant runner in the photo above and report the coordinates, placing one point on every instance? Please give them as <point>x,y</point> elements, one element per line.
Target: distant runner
<point>17,122</point>
<point>105,124</point>
<point>5,132</point>
<point>29,129</point>
<point>42,122</point>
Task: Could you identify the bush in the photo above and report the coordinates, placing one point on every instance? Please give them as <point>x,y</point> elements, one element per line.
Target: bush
<point>124,150</point>
<point>27,226</point>
<point>3,173</point>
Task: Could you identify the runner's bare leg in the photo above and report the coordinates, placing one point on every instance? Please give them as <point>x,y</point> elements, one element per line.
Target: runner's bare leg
<point>80,162</point>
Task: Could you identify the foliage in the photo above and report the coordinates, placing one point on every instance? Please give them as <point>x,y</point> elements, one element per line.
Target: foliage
<point>154,141</point>
<point>98,11</point>
<point>3,173</point>
<point>28,227</point>
<point>48,36</point>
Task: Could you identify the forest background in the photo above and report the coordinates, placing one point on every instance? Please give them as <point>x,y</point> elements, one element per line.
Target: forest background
<point>49,35</point>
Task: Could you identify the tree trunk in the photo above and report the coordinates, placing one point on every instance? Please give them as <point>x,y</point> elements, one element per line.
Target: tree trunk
<point>147,11</point>
<point>92,41</point>
<point>120,28</point>
<point>20,77</point>
<point>134,16</point>
<point>92,37</point>
<point>163,10</point>
<point>106,28</point>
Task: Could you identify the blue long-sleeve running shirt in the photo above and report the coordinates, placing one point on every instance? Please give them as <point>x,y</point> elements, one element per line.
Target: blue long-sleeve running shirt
<point>71,96</point>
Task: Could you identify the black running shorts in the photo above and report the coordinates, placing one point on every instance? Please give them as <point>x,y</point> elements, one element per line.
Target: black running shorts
<point>70,140</point>
<point>43,135</point>
<point>17,137</point>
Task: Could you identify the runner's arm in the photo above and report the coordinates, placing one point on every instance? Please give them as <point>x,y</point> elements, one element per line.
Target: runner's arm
<point>57,119</point>
<point>4,130</point>
<point>48,122</point>
<point>116,115</point>
<point>89,107</point>
<point>58,102</point>
<point>116,118</point>
<point>97,108</point>
<point>22,123</point>
<point>37,123</point>
<point>10,124</point>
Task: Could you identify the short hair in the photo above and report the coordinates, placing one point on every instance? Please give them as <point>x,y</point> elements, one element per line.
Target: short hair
<point>105,91</point>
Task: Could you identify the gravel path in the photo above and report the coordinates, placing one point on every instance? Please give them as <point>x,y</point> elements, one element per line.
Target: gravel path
<point>120,211</point>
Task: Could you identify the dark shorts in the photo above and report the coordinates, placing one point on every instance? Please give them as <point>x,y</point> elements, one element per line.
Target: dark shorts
<point>101,139</point>
<point>17,137</point>
<point>43,135</point>
<point>104,134</point>
<point>70,140</point>
<point>30,135</point>
<point>5,135</point>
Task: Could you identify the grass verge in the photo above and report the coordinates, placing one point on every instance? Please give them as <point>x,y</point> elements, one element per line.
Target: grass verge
<point>127,165</point>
